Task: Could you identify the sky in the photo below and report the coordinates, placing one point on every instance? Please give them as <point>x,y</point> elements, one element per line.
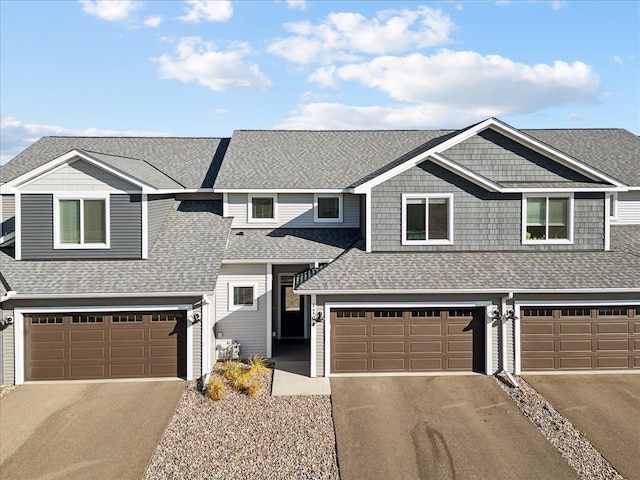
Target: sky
<point>200,68</point>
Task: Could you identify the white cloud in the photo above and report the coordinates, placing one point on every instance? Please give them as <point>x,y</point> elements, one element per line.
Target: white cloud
<point>199,61</point>
<point>220,111</point>
<point>470,80</point>
<point>618,60</point>
<point>153,22</point>
<point>297,4</point>
<point>557,4</point>
<point>575,117</point>
<point>343,36</point>
<point>16,136</point>
<point>325,77</point>
<point>110,10</point>
<point>459,6</point>
<point>207,10</point>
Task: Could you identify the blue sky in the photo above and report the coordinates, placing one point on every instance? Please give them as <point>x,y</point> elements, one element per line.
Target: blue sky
<point>198,68</point>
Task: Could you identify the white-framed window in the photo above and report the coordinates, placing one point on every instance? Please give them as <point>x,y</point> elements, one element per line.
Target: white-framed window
<point>81,222</point>
<point>262,207</point>
<point>613,205</point>
<point>427,219</point>
<point>327,207</point>
<point>243,296</point>
<point>547,218</point>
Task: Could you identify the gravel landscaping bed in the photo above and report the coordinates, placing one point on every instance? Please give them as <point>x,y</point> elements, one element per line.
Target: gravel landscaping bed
<point>239,437</point>
<point>4,389</point>
<point>574,447</point>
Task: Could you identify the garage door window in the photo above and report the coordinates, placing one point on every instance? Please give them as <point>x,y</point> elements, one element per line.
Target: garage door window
<point>87,319</point>
<point>126,318</point>
<point>46,319</point>
<point>427,219</point>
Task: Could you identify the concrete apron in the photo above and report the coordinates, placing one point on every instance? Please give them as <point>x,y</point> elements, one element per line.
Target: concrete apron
<point>292,378</point>
<point>82,430</point>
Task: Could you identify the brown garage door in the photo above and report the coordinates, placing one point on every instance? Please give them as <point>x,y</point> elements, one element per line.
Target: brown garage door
<point>580,338</point>
<point>415,340</point>
<point>98,345</point>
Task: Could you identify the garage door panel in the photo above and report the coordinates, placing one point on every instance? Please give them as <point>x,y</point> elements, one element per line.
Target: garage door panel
<point>538,329</point>
<point>407,341</point>
<point>397,330</point>
<point>586,338</point>
<point>126,334</point>
<point>427,330</point>
<point>387,347</point>
<point>118,345</point>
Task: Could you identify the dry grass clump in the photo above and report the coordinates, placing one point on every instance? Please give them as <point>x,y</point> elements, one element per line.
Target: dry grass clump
<point>215,388</point>
<point>240,377</point>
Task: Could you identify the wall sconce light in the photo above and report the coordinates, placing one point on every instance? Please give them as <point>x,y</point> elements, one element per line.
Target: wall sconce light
<point>196,318</point>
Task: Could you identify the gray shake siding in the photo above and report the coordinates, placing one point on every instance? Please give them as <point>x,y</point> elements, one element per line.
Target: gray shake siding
<point>37,229</point>
<point>482,220</point>
<point>158,207</point>
<point>7,216</point>
<point>499,158</point>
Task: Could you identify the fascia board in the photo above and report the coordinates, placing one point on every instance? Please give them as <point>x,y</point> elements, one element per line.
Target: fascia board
<point>548,150</point>
<point>441,291</point>
<point>281,190</point>
<point>465,173</point>
<point>32,175</point>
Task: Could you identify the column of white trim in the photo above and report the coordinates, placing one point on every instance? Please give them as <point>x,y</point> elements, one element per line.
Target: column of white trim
<point>269,293</point>
<point>225,204</point>
<point>207,326</point>
<point>327,340</point>
<point>18,347</point>
<point>18,226</point>
<point>488,340</point>
<point>367,224</point>
<point>607,222</point>
<point>189,343</point>
<point>145,226</point>
<point>517,351</point>
<point>313,355</point>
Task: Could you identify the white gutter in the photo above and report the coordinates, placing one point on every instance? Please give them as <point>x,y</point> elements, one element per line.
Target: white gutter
<point>10,294</point>
<point>503,339</point>
<point>409,291</point>
<point>34,296</point>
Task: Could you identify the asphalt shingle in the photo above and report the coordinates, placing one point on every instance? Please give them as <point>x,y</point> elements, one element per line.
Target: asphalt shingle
<point>186,257</point>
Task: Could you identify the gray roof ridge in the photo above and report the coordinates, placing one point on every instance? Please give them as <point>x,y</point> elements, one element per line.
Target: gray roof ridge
<point>133,158</point>
<point>348,130</point>
<point>167,137</point>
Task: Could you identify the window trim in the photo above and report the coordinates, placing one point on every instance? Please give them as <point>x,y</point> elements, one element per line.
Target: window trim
<point>316,218</point>
<point>232,307</point>
<point>57,243</point>
<point>251,196</point>
<point>427,196</point>
<point>548,241</point>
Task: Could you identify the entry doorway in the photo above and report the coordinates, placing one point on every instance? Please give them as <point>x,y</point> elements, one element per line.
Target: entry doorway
<point>291,310</point>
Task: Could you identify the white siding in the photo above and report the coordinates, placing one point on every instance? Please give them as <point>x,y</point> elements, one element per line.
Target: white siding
<point>247,327</point>
<point>8,353</point>
<point>294,210</point>
<point>78,176</point>
<point>197,345</point>
<point>628,209</point>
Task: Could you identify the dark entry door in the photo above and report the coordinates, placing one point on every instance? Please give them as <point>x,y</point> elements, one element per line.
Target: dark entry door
<point>291,313</point>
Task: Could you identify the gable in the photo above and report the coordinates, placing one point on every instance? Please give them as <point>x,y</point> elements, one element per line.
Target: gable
<point>503,160</point>
<point>78,175</point>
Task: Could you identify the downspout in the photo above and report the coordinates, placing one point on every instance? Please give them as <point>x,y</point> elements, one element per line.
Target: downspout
<point>503,339</point>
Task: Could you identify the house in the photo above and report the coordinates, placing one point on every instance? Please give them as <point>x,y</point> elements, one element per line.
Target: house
<point>387,252</point>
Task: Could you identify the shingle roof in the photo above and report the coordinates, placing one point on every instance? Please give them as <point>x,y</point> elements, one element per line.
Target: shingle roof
<point>191,162</point>
<point>287,243</point>
<point>360,271</point>
<point>312,159</point>
<point>185,258</point>
<point>339,159</point>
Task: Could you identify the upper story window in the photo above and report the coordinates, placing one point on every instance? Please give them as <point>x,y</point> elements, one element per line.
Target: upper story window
<point>81,222</point>
<point>547,219</point>
<point>427,219</point>
<point>327,208</point>
<point>262,208</point>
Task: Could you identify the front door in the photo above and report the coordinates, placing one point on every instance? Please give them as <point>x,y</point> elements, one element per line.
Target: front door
<point>291,313</point>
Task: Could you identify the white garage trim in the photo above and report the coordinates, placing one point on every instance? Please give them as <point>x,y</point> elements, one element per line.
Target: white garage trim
<point>19,330</point>
<point>373,305</point>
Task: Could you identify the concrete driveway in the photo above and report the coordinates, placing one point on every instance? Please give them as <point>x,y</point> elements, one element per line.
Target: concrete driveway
<point>462,427</point>
<point>84,430</point>
<point>605,408</point>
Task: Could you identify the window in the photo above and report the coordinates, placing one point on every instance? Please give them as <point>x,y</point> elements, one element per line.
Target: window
<point>612,205</point>
<point>82,222</point>
<point>548,219</point>
<point>427,219</point>
<point>327,208</point>
<point>262,208</point>
<point>242,297</point>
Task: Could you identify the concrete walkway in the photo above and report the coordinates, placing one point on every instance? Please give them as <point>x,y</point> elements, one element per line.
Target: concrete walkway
<point>292,378</point>
<point>84,430</point>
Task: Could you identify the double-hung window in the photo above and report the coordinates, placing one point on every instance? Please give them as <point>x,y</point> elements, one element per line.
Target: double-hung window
<point>547,219</point>
<point>327,208</point>
<point>81,222</point>
<point>427,219</point>
<point>262,208</point>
